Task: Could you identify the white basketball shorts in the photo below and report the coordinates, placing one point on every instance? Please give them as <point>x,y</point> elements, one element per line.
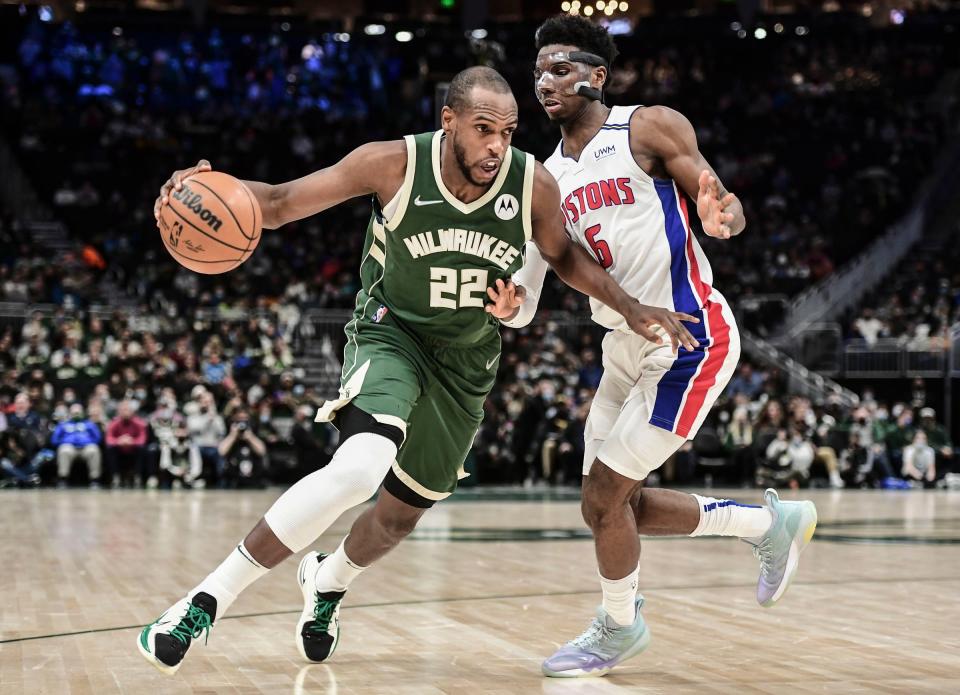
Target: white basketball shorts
<point>652,399</point>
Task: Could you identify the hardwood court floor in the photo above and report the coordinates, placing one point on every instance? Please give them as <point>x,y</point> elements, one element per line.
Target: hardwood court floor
<point>474,602</point>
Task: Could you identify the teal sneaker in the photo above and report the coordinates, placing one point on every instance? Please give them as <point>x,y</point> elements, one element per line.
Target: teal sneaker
<point>604,645</point>
<point>318,631</point>
<point>779,548</point>
<point>165,641</point>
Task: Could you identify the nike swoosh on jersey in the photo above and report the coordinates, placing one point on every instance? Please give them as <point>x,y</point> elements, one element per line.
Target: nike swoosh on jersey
<point>420,203</point>
<point>490,363</point>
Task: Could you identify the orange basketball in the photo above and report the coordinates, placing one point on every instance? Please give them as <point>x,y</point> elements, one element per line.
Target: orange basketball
<point>212,224</point>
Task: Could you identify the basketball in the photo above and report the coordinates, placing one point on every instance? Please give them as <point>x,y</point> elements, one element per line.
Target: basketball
<point>212,224</point>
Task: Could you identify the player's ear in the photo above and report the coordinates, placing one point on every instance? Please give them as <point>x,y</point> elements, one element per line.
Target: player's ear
<point>599,77</point>
<point>447,118</point>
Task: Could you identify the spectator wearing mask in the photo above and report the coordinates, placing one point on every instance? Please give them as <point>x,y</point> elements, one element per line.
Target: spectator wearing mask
<point>869,327</point>
<point>96,362</point>
<point>15,465</point>
<point>172,442</point>
<point>33,354</point>
<point>23,416</point>
<point>207,431</point>
<point>27,434</point>
<point>937,437</point>
<point>591,371</point>
<point>77,438</point>
<point>126,442</point>
<point>919,461</point>
<point>899,434</point>
<point>68,361</point>
<point>855,462</point>
<point>788,458</point>
<point>243,453</point>
<point>738,438</point>
<point>264,425</point>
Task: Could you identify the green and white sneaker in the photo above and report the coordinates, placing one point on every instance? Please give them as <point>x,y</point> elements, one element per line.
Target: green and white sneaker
<point>779,548</point>
<point>318,631</point>
<point>165,641</point>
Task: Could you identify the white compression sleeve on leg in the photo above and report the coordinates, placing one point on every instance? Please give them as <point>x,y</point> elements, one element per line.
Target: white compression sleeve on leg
<point>309,508</point>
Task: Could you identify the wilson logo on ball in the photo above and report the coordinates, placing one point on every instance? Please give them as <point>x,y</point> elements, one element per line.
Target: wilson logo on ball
<point>194,201</point>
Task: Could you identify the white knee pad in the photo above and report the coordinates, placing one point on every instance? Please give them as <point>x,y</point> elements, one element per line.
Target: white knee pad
<point>308,508</point>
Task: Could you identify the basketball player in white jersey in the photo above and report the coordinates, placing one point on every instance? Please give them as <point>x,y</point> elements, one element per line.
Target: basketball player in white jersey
<point>622,173</point>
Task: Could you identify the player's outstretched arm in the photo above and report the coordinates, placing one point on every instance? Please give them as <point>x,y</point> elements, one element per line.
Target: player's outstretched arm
<point>576,268</point>
<point>668,136</point>
<point>376,167</point>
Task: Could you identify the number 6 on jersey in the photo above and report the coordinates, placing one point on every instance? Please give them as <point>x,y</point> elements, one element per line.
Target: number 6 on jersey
<point>600,248</point>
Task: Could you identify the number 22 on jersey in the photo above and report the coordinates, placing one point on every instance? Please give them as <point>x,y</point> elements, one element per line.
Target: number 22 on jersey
<point>444,288</point>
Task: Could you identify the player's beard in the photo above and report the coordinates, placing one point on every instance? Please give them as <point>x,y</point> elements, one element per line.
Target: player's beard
<point>460,154</point>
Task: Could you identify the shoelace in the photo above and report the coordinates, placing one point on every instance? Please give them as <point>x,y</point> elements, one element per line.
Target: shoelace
<point>764,553</point>
<point>192,624</point>
<point>322,613</point>
<point>596,632</point>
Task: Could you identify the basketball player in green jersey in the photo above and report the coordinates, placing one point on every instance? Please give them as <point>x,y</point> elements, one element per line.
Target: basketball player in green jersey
<point>452,211</point>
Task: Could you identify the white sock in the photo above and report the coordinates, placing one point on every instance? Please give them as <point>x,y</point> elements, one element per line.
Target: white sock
<point>729,518</point>
<point>233,575</point>
<point>337,571</point>
<point>620,597</point>
<point>308,508</point>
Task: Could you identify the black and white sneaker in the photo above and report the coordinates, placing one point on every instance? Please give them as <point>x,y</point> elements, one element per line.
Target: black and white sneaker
<point>318,630</point>
<point>165,641</point>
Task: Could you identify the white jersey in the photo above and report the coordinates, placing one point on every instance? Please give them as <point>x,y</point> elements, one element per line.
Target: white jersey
<point>651,398</point>
<point>635,225</point>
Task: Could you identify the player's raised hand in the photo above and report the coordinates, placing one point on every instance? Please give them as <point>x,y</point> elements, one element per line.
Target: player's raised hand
<point>712,209</point>
<point>175,182</point>
<point>506,298</point>
<point>642,317</point>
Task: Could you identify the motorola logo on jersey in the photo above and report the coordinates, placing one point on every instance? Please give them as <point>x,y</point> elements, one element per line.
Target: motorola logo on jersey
<point>506,207</point>
<point>596,195</point>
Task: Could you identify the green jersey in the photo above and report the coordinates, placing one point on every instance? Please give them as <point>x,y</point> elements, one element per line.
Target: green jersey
<point>429,258</point>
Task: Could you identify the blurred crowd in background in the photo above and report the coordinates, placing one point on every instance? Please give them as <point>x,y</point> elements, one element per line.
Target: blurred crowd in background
<point>181,387</point>
<point>101,402</point>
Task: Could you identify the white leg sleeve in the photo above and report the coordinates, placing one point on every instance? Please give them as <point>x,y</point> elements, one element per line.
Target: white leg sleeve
<point>309,508</point>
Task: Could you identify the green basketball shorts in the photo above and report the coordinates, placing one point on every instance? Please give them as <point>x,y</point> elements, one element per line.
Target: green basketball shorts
<point>431,390</point>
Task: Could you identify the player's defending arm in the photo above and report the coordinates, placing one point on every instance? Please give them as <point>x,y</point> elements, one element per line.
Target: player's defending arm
<point>376,167</point>
<point>515,301</point>
<point>575,267</point>
<point>667,136</point>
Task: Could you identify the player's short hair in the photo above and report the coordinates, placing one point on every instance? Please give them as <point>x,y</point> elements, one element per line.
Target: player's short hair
<point>458,94</point>
<point>575,30</point>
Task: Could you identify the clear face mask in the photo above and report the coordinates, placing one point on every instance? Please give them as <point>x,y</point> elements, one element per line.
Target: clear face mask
<point>581,63</point>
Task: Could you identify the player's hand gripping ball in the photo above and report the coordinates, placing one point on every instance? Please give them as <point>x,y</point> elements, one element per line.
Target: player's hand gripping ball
<point>209,221</point>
